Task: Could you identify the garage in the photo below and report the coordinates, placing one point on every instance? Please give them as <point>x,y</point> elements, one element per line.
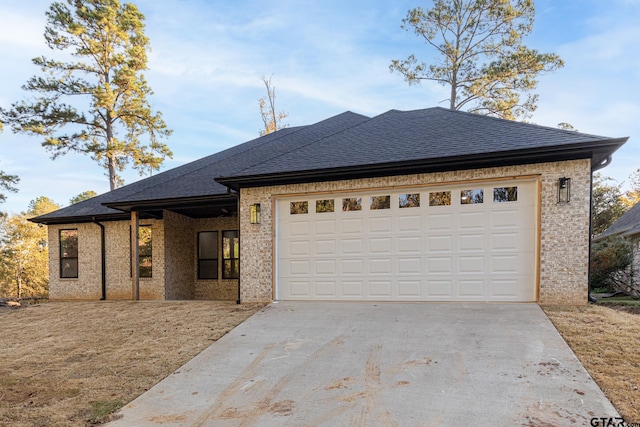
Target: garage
<point>472,241</point>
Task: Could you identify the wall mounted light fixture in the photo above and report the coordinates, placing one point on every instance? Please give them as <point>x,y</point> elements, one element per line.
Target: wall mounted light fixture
<point>564,190</point>
<point>254,211</point>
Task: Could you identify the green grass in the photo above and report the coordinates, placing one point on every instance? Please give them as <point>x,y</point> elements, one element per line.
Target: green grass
<point>102,408</point>
<point>620,301</point>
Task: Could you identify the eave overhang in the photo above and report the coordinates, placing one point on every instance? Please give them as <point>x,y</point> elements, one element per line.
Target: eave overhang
<point>597,151</point>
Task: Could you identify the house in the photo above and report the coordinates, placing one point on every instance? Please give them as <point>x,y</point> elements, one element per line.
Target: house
<point>425,205</point>
<point>628,225</point>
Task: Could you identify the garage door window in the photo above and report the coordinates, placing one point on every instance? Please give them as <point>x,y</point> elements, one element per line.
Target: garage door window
<point>323,206</point>
<point>505,194</point>
<point>352,204</point>
<point>296,208</point>
<point>409,200</point>
<point>380,202</point>
<point>469,197</point>
<point>440,198</point>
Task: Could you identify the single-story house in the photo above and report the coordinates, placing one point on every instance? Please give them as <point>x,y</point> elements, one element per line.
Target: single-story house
<point>628,226</point>
<point>425,205</point>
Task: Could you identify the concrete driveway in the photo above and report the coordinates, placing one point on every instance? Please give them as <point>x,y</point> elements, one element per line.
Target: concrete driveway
<point>379,364</point>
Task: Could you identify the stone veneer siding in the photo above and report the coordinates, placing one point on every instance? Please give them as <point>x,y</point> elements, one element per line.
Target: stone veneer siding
<point>174,252</point>
<point>564,228</point>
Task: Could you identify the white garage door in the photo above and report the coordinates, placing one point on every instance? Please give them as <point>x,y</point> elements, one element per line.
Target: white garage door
<point>472,242</point>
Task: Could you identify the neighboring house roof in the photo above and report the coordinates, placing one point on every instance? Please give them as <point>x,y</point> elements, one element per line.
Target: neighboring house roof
<point>628,224</point>
<point>345,146</point>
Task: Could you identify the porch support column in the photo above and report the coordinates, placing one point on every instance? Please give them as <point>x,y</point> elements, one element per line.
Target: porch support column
<point>135,265</point>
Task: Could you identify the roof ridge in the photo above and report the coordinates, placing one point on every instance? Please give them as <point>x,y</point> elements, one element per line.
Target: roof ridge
<point>313,141</point>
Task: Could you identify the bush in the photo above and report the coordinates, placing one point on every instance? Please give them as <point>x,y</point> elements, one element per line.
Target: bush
<point>610,261</point>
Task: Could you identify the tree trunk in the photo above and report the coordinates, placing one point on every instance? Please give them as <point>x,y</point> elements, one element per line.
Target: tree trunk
<point>111,155</point>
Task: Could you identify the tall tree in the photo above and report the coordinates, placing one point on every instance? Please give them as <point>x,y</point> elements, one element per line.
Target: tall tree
<point>7,182</point>
<point>607,203</point>
<point>632,196</point>
<point>85,195</point>
<point>482,56</point>
<point>271,118</point>
<point>97,103</point>
<point>24,254</point>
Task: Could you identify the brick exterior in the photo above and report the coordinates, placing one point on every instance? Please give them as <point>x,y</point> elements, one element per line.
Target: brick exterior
<point>564,228</point>
<point>174,253</point>
<point>635,266</point>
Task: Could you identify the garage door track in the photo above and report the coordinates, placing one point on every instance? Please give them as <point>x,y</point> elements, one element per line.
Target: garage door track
<point>386,364</point>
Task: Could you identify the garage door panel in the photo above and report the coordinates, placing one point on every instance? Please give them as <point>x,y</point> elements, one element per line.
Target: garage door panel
<point>409,289</point>
<point>472,242</point>
<point>352,225</point>
<point>352,288</point>
<point>325,227</point>
<point>480,251</point>
<point>380,288</point>
<point>325,247</point>
<point>380,266</point>
<point>409,223</point>
<point>352,267</point>
<point>440,265</point>
<point>380,225</point>
<point>409,266</point>
<point>440,243</point>
<point>380,245</point>
<point>440,221</point>
<point>326,288</point>
<point>439,288</point>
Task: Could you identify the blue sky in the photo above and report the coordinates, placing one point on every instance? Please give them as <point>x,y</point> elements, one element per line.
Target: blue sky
<point>326,57</point>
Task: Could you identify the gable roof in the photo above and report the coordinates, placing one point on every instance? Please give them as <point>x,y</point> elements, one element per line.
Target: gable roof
<point>627,225</point>
<point>345,146</point>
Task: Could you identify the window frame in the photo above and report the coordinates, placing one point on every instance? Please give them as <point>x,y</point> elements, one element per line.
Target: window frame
<point>216,259</point>
<point>145,257</point>
<point>234,255</point>
<point>64,257</point>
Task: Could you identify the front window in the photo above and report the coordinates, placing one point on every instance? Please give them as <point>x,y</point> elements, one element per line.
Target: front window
<point>69,254</point>
<point>145,261</point>
<point>208,255</point>
<point>230,252</point>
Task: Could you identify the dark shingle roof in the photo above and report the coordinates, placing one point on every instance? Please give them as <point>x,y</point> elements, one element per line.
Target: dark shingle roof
<point>196,179</point>
<point>409,136</point>
<point>628,224</point>
<point>350,145</point>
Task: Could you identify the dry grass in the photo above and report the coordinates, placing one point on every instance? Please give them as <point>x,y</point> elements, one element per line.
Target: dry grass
<point>74,363</point>
<point>607,342</point>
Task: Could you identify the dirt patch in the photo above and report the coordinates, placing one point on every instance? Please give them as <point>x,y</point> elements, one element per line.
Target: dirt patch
<point>74,363</point>
<point>606,339</point>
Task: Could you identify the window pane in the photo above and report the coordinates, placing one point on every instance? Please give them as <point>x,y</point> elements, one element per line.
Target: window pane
<point>440,198</point>
<point>352,204</point>
<point>230,244</point>
<point>380,202</point>
<point>230,270</point>
<point>505,194</point>
<point>324,206</point>
<point>208,245</point>
<point>144,241</point>
<point>208,269</point>
<point>69,268</point>
<point>69,243</point>
<point>468,197</point>
<point>145,266</point>
<point>296,208</point>
<point>409,200</point>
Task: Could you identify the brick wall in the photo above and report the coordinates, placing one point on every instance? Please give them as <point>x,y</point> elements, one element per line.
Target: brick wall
<point>179,255</point>
<point>564,228</point>
<point>174,253</point>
